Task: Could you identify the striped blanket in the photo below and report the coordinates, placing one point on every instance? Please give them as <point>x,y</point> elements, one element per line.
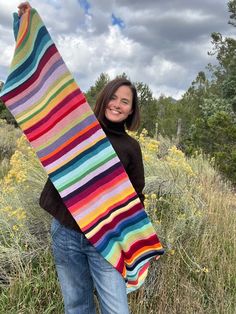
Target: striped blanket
<point>53,113</point>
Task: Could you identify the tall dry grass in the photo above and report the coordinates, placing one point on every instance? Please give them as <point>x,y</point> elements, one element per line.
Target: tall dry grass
<point>191,207</point>
<point>8,137</point>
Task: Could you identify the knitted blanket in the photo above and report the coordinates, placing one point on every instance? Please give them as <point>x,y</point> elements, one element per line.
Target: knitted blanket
<point>53,113</point>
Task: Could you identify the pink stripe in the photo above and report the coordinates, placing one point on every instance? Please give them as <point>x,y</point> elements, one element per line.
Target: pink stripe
<point>94,190</point>
<point>73,151</point>
<point>37,96</point>
<point>80,212</point>
<point>109,209</point>
<point>90,176</point>
<point>57,129</point>
<point>43,126</point>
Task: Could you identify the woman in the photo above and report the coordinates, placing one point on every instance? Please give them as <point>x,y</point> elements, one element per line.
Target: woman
<point>79,266</point>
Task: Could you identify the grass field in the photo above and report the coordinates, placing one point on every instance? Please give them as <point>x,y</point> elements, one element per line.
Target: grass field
<point>192,208</point>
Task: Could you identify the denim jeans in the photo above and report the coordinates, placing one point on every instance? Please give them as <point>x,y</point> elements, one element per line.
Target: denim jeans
<point>80,268</point>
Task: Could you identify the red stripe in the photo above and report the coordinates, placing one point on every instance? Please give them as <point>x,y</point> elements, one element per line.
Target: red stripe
<point>152,240</point>
<point>111,226</point>
<point>26,30</point>
<point>61,110</point>
<point>120,265</point>
<point>111,208</point>
<point>21,88</point>
<point>44,129</point>
<point>143,269</point>
<point>69,98</point>
<point>96,188</point>
<point>70,146</point>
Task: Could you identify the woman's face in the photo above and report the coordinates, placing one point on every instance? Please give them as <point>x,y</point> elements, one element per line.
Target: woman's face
<point>120,106</point>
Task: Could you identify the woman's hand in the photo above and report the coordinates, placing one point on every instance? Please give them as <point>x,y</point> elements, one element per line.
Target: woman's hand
<point>23,7</point>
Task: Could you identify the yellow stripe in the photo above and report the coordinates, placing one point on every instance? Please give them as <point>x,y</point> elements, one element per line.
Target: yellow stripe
<point>54,138</point>
<point>140,280</point>
<point>35,106</point>
<point>128,240</point>
<point>78,152</point>
<point>22,53</point>
<point>111,217</point>
<point>65,92</point>
<point>97,211</point>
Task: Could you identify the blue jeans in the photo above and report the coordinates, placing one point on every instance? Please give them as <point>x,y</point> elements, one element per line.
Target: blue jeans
<point>80,268</point>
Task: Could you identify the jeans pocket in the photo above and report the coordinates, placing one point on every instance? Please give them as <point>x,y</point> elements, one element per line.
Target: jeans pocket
<point>55,227</point>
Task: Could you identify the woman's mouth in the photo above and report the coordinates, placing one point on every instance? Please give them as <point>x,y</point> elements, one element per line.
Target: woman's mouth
<point>115,111</point>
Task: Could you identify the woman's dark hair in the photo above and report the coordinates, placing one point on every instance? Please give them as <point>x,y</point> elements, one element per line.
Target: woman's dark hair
<point>133,120</point>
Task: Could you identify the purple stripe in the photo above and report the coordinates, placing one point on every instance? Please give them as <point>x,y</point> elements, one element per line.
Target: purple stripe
<point>54,111</point>
<point>101,198</point>
<point>79,127</point>
<point>26,102</point>
<point>91,175</point>
<point>46,61</point>
<point>81,147</point>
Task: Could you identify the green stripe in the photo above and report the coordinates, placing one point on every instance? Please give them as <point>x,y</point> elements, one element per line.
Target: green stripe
<point>66,129</point>
<point>49,100</point>
<point>96,166</point>
<point>25,41</point>
<point>127,234</point>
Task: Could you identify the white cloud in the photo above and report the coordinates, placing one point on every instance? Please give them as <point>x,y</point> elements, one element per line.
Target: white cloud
<point>164,43</point>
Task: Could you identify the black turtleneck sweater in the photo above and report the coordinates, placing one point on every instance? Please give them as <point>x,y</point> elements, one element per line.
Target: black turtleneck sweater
<point>129,153</point>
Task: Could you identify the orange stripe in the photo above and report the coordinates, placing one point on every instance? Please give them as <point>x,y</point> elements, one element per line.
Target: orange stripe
<point>132,283</point>
<point>109,209</point>
<point>140,251</point>
<point>25,16</point>
<point>90,198</point>
<point>105,187</point>
<point>69,141</point>
<point>124,272</point>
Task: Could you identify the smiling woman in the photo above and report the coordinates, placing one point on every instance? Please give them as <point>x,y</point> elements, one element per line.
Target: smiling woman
<point>101,235</point>
<point>118,102</point>
<point>120,105</point>
<point>116,107</point>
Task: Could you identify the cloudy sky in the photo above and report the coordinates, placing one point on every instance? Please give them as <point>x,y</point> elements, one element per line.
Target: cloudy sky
<point>162,43</point>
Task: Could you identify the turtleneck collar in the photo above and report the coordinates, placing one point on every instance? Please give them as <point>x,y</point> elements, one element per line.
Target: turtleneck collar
<point>113,127</point>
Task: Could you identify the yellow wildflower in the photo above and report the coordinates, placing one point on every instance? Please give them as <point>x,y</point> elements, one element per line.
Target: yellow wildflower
<point>15,228</point>
<point>153,196</point>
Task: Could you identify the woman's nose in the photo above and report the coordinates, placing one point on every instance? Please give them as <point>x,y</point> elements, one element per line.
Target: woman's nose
<point>116,103</point>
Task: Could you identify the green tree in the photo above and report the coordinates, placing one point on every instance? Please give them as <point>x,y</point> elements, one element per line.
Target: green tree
<point>229,84</point>
<point>216,136</point>
<point>93,91</point>
<point>190,106</point>
<point>211,124</point>
<point>232,10</point>
<point>168,116</point>
<point>147,105</point>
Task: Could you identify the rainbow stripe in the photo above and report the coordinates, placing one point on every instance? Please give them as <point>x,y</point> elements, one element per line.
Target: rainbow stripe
<point>53,113</point>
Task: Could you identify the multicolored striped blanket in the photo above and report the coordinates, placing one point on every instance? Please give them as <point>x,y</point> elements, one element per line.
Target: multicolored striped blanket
<point>53,113</point>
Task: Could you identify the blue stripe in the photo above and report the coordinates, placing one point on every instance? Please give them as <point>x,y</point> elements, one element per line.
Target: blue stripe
<point>80,159</point>
<point>29,64</point>
<point>38,87</point>
<point>69,134</point>
<point>117,235</point>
